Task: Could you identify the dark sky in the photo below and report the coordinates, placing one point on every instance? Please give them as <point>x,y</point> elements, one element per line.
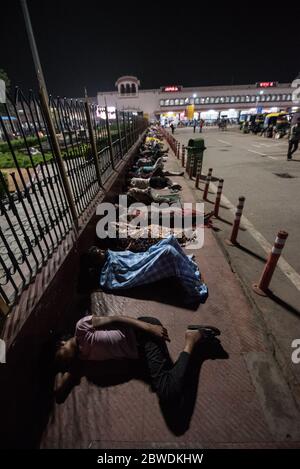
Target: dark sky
<point>89,44</point>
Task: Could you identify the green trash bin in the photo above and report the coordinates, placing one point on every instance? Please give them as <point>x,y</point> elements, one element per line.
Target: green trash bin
<point>196,149</point>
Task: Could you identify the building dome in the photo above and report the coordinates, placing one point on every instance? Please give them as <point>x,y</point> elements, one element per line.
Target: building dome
<point>128,85</point>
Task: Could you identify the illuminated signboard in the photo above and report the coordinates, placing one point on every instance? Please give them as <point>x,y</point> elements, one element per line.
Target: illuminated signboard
<point>266,84</point>
<point>171,89</point>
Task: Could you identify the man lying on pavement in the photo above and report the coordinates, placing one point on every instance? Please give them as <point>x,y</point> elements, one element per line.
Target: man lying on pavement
<point>101,338</point>
<point>125,269</point>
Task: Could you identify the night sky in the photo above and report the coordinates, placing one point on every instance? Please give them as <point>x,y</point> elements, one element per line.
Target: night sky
<point>89,44</point>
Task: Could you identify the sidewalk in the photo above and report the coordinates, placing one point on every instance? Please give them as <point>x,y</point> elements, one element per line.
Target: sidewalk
<point>280,312</point>
<point>242,401</point>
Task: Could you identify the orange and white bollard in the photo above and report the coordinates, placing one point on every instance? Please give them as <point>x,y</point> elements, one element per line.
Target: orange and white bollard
<point>191,167</point>
<point>183,156</point>
<point>198,173</point>
<point>218,198</point>
<point>237,220</point>
<point>262,287</point>
<point>207,182</point>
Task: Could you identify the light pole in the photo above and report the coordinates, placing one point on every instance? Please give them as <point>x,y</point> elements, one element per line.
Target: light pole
<point>45,105</point>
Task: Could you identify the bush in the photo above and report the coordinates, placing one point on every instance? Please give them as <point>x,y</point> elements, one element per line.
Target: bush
<point>19,143</point>
<point>7,161</point>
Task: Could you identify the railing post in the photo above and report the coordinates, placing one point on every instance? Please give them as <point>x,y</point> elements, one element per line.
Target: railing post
<point>119,133</point>
<point>110,147</point>
<point>93,141</point>
<point>57,153</point>
<point>124,130</point>
<point>129,130</point>
<point>4,308</point>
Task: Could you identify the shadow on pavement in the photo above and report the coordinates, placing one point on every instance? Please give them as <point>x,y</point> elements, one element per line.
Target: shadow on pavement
<point>178,415</point>
<point>283,304</point>
<point>251,253</point>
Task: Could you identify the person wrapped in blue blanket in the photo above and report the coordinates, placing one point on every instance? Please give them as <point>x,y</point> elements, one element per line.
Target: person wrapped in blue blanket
<point>125,269</point>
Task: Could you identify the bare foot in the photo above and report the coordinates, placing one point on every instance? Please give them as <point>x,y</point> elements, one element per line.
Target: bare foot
<point>192,337</point>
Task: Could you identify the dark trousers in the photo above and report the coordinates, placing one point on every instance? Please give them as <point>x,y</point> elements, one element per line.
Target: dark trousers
<point>293,146</point>
<point>167,378</point>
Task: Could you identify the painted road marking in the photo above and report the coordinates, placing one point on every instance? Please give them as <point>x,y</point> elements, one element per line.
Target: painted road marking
<point>227,143</point>
<point>284,266</point>
<point>257,152</point>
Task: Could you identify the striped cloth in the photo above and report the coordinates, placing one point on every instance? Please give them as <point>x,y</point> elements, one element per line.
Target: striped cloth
<point>165,259</point>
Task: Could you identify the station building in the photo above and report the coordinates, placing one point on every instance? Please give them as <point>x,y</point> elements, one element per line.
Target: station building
<point>178,103</point>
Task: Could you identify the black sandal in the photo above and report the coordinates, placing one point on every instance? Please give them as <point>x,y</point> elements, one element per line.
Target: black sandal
<point>209,332</point>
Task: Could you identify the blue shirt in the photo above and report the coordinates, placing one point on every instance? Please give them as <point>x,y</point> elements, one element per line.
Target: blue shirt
<point>165,259</point>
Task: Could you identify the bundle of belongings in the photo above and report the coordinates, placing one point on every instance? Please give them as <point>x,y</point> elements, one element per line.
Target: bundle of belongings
<point>148,173</point>
<point>147,196</point>
<point>148,248</point>
<point>139,239</point>
<point>155,182</point>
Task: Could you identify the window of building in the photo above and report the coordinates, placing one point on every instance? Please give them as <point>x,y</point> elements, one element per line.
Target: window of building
<point>197,100</point>
<point>278,97</point>
<point>273,97</point>
<point>122,89</point>
<point>263,98</point>
<point>243,98</point>
<point>128,88</point>
<point>237,99</point>
<point>247,99</point>
<point>217,99</point>
<point>133,88</point>
<point>167,101</point>
<point>171,102</point>
<point>211,100</point>
<point>289,97</point>
<point>186,100</point>
<point>268,97</point>
<point>202,100</point>
<point>222,99</point>
<point>253,99</point>
<point>162,102</point>
<point>207,99</point>
<point>176,102</point>
<point>227,99</point>
<point>232,99</point>
<point>283,97</point>
<point>182,102</point>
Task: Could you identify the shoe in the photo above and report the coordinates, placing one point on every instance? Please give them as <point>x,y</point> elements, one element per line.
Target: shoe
<point>209,332</point>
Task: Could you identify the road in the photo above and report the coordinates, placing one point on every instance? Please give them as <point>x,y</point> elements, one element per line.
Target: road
<point>250,166</point>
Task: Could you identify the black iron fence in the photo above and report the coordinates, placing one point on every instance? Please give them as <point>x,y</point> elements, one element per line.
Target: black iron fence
<point>35,212</point>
